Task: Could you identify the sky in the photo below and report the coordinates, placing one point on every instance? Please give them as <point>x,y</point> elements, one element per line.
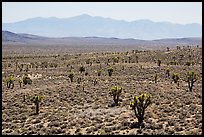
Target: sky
<point>174,12</point>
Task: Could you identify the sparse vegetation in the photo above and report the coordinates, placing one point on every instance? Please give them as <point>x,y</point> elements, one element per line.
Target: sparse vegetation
<point>84,106</point>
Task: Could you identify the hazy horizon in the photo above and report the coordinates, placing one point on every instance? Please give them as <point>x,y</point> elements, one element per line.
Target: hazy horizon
<point>174,12</point>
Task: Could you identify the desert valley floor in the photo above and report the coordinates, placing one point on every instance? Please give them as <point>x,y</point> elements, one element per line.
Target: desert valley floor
<point>84,106</point>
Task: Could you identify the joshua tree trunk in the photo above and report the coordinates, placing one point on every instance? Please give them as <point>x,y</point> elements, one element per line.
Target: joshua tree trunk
<point>190,86</point>
<point>8,85</point>
<point>37,108</point>
<point>115,100</point>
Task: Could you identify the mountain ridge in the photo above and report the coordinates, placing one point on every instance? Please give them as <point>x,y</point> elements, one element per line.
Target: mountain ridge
<point>10,38</point>
<point>88,26</point>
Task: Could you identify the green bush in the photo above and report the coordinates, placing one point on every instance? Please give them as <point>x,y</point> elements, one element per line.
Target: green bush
<point>116,92</point>
<point>36,100</point>
<point>139,105</point>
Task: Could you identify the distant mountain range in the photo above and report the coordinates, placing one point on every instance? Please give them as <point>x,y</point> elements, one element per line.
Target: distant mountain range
<point>10,38</point>
<point>89,26</point>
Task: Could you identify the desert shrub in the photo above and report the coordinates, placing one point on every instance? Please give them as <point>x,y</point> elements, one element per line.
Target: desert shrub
<point>178,48</point>
<point>27,69</point>
<point>81,69</point>
<point>173,63</point>
<point>36,100</point>
<point>26,80</point>
<point>53,65</point>
<point>110,71</point>
<point>116,92</point>
<point>86,73</point>
<point>20,67</point>
<point>88,61</point>
<point>9,82</point>
<point>192,77</point>
<point>98,61</point>
<point>44,64</point>
<point>159,62</point>
<point>79,80</point>
<point>95,81</point>
<point>139,105</point>
<point>71,76</point>
<point>175,77</point>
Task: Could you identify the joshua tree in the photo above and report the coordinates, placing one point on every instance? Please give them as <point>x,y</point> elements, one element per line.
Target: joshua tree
<point>136,59</point>
<point>139,105</point>
<point>116,92</point>
<point>16,65</point>
<point>95,82</point>
<point>129,59</point>
<point>9,82</point>
<point>71,76</point>
<point>82,69</point>
<point>110,71</point>
<point>79,80</point>
<point>20,82</point>
<point>191,79</point>
<point>99,72</point>
<point>159,62</point>
<point>115,59</point>
<point>36,100</point>
<point>168,72</point>
<point>155,78</point>
<point>167,48</point>
<point>175,78</point>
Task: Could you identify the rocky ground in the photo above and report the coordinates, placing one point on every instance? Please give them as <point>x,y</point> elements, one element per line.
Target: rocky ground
<point>84,108</point>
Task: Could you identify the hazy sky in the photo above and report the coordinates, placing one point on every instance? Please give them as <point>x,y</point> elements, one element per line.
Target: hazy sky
<point>175,12</point>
